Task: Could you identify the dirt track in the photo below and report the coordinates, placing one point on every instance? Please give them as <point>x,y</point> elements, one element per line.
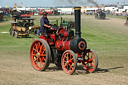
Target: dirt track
<point>16,69</point>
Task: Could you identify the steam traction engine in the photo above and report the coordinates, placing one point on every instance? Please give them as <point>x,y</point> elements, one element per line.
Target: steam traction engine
<point>20,14</point>
<point>100,14</point>
<point>59,46</point>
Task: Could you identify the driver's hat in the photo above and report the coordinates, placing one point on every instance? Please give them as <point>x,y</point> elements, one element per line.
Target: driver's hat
<point>45,13</point>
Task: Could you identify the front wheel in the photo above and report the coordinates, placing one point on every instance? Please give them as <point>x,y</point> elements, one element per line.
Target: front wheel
<point>90,61</point>
<point>69,62</point>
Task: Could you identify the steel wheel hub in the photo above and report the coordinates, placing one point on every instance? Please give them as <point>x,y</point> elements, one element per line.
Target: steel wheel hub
<point>38,55</point>
<point>66,62</point>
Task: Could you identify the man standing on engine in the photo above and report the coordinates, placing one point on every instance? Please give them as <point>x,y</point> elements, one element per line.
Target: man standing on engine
<point>44,23</point>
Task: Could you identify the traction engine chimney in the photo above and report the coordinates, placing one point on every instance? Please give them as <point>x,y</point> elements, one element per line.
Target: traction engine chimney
<point>77,11</point>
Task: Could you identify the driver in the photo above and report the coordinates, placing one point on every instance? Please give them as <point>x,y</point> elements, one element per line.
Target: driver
<point>44,23</point>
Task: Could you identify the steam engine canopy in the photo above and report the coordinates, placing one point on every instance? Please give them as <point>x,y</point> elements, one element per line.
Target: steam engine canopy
<point>78,45</point>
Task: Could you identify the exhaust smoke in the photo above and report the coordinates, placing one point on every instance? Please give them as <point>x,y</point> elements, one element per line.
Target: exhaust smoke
<point>74,2</point>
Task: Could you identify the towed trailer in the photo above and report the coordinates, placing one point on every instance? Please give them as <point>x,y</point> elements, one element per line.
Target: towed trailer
<point>17,31</point>
<point>21,27</point>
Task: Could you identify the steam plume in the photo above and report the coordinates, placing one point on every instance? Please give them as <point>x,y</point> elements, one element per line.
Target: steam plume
<point>74,2</point>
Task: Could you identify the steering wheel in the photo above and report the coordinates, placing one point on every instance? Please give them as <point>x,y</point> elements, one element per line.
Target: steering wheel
<point>52,28</point>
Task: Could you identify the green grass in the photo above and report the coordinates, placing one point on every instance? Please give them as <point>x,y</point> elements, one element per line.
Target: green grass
<point>113,16</point>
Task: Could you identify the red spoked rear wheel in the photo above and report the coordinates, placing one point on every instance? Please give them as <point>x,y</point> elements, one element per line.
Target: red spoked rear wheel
<point>69,62</point>
<point>39,55</point>
<point>90,61</point>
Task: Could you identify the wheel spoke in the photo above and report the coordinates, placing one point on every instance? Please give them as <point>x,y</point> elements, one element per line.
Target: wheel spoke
<point>93,61</point>
<point>41,47</point>
<point>33,55</point>
<point>35,59</point>
<point>41,62</point>
<point>67,54</point>
<point>73,64</point>
<point>65,65</point>
<point>67,58</point>
<point>70,67</point>
<point>71,59</point>
<point>65,61</point>
<point>91,64</point>
<point>39,44</point>
<point>36,62</point>
<point>92,58</point>
<point>43,55</point>
<point>42,52</point>
<point>35,49</point>
<point>44,59</point>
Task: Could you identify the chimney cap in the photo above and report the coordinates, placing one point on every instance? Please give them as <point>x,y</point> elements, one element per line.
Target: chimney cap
<point>77,8</point>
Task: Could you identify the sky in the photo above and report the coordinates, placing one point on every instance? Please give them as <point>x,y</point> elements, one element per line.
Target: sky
<point>51,3</point>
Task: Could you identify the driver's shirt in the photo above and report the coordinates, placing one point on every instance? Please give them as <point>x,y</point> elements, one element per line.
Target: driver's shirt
<point>42,22</point>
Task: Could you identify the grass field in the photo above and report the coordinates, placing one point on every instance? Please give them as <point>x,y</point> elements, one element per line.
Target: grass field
<point>113,16</point>
<point>109,38</point>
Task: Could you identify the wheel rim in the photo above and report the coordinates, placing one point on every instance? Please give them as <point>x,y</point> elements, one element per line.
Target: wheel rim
<point>10,31</point>
<point>90,61</point>
<point>38,55</point>
<point>69,62</point>
<point>13,32</point>
<point>16,34</point>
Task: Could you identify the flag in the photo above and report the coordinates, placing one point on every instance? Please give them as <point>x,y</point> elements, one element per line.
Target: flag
<point>123,2</point>
<point>118,2</point>
<point>22,3</point>
<point>6,6</point>
<point>15,5</point>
